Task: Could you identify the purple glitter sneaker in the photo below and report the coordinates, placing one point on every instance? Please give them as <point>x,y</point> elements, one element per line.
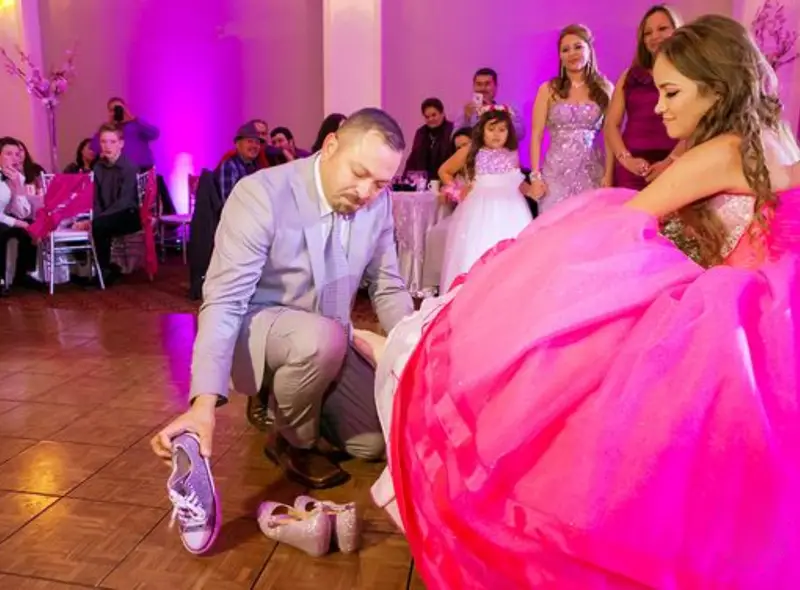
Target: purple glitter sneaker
<point>196,506</point>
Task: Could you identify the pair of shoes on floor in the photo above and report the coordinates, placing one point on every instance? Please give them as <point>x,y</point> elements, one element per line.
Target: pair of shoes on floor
<point>196,505</point>
<point>313,526</point>
<point>310,525</point>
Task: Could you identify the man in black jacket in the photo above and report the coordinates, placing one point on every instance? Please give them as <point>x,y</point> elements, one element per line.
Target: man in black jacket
<point>116,200</point>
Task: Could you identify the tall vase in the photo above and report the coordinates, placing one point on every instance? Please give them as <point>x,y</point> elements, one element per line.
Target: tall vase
<point>51,129</point>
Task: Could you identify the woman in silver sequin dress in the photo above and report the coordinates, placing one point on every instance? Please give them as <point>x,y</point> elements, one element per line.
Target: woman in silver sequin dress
<point>571,107</point>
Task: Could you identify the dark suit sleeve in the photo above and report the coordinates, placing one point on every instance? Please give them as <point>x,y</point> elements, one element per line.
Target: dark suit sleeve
<point>415,158</point>
<point>129,191</point>
<point>387,289</point>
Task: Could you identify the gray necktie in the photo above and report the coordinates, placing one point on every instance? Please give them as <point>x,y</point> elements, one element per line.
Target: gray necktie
<point>335,297</point>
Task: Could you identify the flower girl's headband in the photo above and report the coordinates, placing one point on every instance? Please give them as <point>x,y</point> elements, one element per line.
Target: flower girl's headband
<point>488,108</point>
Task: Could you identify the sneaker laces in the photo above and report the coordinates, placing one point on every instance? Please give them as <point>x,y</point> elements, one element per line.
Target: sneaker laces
<point>187,510</point>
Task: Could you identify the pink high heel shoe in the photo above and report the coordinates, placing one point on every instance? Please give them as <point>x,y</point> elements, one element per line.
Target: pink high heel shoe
<point>309,531</point>
<point>343,519</point>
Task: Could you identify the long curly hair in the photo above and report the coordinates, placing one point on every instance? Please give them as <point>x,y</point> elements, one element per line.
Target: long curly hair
<point>501,114</point>
<point>719,55</point>
<point>561,84</point>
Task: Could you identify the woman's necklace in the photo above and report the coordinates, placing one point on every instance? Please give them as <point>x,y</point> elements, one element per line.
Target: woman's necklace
<point>578,84</point>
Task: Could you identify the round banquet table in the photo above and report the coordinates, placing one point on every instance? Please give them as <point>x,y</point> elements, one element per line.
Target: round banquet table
<point>415,213</point>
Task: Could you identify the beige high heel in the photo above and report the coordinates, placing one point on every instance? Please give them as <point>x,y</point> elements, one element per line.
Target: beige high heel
<point>344,522</point>
<point>309,531</point>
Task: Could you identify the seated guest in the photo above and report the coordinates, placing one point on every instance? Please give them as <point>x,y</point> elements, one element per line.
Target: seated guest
<point>84,158</point>
<point>14,210</point>
<point>115,211</point>
<point>137,135</point>
<point>243,163</point>
<point>30,169</point>
<point>432,146</point>
<point>461,137</point>
<point>282,139</point>
<point>264,159</point>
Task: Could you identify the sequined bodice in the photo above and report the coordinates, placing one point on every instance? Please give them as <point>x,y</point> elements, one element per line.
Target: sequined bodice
<point>496,161</point>
<point>571,121</point>
<point>736,212</point>
<point>573,162</point>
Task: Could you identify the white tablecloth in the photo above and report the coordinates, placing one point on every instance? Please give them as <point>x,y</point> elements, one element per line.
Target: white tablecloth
<point>414,215</point>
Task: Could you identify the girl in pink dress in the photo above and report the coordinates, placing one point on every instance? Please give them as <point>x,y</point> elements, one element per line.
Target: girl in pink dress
<point>589,407</point>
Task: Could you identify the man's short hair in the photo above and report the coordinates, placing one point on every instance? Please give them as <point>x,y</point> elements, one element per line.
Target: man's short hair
<point>432,103</point>
<point>485,72</point>
<point>379,121</point>
<point>111,128</point>
<point>114,99</point>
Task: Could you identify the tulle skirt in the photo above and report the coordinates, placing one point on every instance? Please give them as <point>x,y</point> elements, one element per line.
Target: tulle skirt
<point>591,409</point>
<point>493,211</point>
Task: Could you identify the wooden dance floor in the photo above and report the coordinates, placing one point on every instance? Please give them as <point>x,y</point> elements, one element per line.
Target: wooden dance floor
<point>83,386</point>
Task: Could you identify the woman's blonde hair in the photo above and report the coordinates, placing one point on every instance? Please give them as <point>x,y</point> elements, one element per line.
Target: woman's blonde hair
<point>719,55</point>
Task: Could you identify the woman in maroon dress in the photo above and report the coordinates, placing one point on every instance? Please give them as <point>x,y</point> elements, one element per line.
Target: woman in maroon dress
<point>643,150</point>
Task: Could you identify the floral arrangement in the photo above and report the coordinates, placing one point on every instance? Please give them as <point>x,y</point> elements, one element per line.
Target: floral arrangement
<point>455,191</point>
<point>44,88</point>
<point>772,33</point>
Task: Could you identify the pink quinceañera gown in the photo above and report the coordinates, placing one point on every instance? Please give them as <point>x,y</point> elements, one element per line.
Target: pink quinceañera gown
<point>589,408</point>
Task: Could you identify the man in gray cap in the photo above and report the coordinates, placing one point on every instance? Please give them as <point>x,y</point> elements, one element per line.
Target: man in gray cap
<point>248,145</point>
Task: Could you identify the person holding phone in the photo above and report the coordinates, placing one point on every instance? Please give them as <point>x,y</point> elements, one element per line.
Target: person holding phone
<point>484,91</point>
<point>137,134</point>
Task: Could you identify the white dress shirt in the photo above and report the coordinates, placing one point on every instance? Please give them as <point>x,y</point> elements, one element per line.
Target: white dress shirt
<point>18,207</point>
<point>326,213</point>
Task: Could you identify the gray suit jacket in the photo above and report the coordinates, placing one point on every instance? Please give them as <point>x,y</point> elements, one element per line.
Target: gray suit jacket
<point>268,255</point>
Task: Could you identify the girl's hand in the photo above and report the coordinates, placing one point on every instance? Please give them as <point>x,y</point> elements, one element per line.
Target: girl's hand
<point>21,224</point>
<point>533,190</point>
<point>657,168</point>
<point>607,182</point>
<point>455,192</point>
<point>636,166</point>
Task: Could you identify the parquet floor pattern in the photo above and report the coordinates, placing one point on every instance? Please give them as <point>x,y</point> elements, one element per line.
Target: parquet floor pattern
<point>83,501</point>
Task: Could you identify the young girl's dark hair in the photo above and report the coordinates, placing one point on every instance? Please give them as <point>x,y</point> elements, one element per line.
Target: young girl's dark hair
<point>461,131</point>
<point>493,115</point>
<point>79,155</point>
<point>30,169</point>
